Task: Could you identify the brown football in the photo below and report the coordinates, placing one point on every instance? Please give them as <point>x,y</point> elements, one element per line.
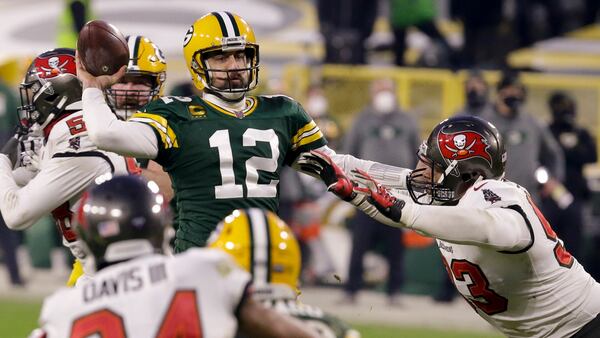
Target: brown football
<point>102,48</point>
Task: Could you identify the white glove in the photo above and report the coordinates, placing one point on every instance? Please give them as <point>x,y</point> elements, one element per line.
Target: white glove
<point>29,152</point>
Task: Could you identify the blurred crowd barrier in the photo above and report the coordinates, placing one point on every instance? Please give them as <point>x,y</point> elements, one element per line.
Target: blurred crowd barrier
<point>433,94</point>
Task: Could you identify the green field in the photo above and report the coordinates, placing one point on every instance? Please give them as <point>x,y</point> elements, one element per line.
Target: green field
<point>18,318</point>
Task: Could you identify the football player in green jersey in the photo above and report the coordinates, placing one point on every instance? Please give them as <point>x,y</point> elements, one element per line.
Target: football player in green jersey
<point>262,244</point>
<point>224,150</point>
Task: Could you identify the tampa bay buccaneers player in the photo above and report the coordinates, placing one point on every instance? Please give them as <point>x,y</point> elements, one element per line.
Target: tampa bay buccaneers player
<point>262,244</point>
<point>223,150</point>
<point>498,248</point>
<point>69,161</point>
<point>138,291</point>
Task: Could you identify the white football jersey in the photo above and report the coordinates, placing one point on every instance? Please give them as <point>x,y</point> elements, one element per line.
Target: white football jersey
<point>69,153</point>
<point>539,291</point>
<point>194,294</point>
<point>69,163</point>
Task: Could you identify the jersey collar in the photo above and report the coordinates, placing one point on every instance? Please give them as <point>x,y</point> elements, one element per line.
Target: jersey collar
<point>239,109</point>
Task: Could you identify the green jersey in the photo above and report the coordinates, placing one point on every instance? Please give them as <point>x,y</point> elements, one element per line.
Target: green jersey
<point>220,161</point>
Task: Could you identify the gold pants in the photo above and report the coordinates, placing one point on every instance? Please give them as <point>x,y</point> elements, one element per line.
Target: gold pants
<point>75,274</point>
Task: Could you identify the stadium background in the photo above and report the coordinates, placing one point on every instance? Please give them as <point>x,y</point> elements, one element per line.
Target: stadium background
<point>291,50</point>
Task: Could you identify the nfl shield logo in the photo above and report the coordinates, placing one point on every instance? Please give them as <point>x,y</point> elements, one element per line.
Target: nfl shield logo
<point>75,143</point>
<point>108,228</point>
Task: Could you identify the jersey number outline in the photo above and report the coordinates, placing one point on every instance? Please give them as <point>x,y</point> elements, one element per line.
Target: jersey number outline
<point>563,257</point>
<point>479,286</point>
<point>228,188</point>
<point>76,125</point>
<point>181,320</point>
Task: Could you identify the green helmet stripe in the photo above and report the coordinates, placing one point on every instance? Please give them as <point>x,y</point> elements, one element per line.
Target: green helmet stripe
<point>221,23</point>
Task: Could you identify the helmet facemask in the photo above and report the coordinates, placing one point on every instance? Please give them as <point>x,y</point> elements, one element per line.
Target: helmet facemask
<point>125,102</point>
<point>459,152</point>
<point>143,81</point>
<point>423,186</point>
<point>209,74</point>
<point>42,100</point>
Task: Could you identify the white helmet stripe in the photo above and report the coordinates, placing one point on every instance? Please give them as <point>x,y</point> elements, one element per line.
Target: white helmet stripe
<point>260,246</point>
<point>448,170</point>
<point>132,43</point>
<point>228,24</point>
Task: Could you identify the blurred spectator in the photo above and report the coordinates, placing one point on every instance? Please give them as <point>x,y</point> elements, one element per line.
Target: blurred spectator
<point>74,16</point>
<point>580,149</point>
<point>419,14</point>
<point>481,23</point>
<point>385,134</point>
<point>9,240</point>
<point>300,203</point>
<point>477,94</point>
<point>591,10</point>
<point>529,143</point>
<point>542,19</point>
<point>345,25</point>
<point>317,107</point>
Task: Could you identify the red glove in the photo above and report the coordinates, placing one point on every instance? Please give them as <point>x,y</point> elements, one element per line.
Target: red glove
<point>379,196</point>
<point>319,164</point>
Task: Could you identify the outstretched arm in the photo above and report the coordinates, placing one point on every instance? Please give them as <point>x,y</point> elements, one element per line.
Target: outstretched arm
<point>499,228</point>
<point>60,180</point>
<point>390,176</point>
<point>258,321</point>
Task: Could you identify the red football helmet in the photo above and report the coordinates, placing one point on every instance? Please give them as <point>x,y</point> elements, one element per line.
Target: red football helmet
<point>464,149</point>
<point>49,87</point>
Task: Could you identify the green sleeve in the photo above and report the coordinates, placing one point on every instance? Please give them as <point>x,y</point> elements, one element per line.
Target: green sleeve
<point>306,134</point>
<point>163,118</point>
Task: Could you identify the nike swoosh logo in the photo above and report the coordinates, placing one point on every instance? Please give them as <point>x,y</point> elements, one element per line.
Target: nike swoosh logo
<point>479,187</point>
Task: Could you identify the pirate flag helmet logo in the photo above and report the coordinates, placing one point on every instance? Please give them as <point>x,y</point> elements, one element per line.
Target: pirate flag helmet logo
<point>463,150</point>
<point>463,145</point>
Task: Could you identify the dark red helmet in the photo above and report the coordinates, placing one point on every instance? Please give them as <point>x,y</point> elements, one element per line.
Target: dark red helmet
<point>465,149</point>
<point>50,86</point>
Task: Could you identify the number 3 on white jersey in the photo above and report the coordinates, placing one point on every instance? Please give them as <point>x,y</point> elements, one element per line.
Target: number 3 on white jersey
<point>228,188</point>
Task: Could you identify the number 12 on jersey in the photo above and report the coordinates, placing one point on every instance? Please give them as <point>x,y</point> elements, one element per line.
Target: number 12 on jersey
<point>228,187</point>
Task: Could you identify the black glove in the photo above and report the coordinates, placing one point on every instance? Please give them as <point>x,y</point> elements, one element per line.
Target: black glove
<point>11,148</point>
<point>379,196</point>
<point>319,164</point>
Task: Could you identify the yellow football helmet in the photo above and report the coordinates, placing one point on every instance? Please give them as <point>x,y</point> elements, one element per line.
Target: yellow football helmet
<point>261,243</point>
<point>147,65</point>
<point>215,33</point>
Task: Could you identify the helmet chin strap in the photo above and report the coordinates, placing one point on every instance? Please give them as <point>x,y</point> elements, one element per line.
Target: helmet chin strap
<point>226,96</point>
